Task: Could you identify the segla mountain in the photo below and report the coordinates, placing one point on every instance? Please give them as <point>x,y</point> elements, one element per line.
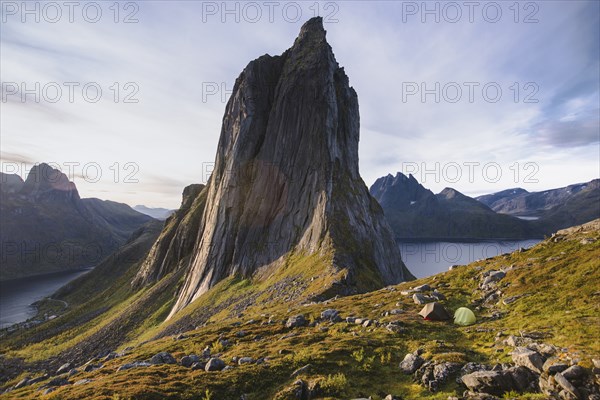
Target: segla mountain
<point>286,181</point>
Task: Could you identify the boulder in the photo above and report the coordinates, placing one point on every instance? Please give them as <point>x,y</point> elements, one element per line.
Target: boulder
<point>566,385</point>
<point>163,358</point>
<point>82,382</point>
<point>554,365</point>
<point>186,361</point>
<point>411,363</point>
<point>296,321</point>
<point>528,359</point>
<point>419,298</point>
<point>58,381</point>
<point>574,372</point>
<point>524,380</point>
<point>331,315</point>
<point>438,296</point>
<point>214,364</point>
<point>198,366</point>
<point>492,382</point>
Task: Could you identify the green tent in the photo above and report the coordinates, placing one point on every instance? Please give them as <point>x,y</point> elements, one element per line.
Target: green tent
<point>463,316</point>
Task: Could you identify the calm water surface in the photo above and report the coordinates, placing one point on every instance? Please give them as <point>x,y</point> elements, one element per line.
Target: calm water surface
<point>17,295</point>
<point>429,258</point>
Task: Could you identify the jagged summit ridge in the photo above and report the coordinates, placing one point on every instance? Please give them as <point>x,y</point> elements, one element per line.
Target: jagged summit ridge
<point>286,176</point>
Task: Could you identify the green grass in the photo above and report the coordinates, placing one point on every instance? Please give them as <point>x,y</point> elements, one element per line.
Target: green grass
<point>559,282</point>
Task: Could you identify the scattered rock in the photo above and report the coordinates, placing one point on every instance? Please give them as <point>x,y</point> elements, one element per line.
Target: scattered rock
<point>82,382</point>
<point>214,364</point>
<point>64,368</point>
<point>566,385</point>
<point>163,358</point>
<point>411,363</point>
<point>422,288</point>
<point>528,358</point>
<point>301,370</point>
<point>22,383</point>
<point>419,298</point>
<point>553,365</point>
<point>296,321</point>
<point>438,296</point>
<point>574,372</point>
<point>396,311</point>
<point>136,364</point>
<point>186,361</point>
<point>492,382</point>
<point>246,360</point>
<point>331,315</point>
<point>58,381</point>
<point>198,366</point>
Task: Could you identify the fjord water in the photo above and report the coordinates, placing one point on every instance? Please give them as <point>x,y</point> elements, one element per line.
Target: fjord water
<point>17,295</point>
<point>429,258</point>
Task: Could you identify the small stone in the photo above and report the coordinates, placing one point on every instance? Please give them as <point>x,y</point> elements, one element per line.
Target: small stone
<point>64,368</point>
<point>300,370</point>
<point>22,383</point>
<point>82,382</point>
<point>246,360</point>
<point>422,288</point>
<point>367,323</point>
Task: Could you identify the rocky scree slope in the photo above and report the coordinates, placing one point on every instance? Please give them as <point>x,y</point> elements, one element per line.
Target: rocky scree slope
<point>535,338</point>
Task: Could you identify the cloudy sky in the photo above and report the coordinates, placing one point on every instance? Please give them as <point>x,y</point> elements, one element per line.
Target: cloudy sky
<point>128,99</point>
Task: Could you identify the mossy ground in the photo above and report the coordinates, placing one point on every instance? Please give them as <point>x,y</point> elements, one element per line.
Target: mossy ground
<point>559,284</point>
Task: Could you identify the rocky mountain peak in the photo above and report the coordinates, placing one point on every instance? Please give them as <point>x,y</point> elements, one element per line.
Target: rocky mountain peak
<point>45,182</point>
<point>286,177</point>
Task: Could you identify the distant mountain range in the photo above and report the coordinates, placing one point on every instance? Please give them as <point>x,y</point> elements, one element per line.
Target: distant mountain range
<point>414,212</point>
<point>47,227</point>
<point>157,213</point>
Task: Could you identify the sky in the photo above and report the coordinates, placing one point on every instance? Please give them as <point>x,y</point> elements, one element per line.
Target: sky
<point>127,98</point>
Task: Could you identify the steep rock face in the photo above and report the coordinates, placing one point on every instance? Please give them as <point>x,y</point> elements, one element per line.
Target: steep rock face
<point>286,175</point>
<point>176,242</point>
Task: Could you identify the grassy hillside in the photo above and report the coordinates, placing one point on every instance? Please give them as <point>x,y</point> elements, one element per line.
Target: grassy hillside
<point>555,283</point>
